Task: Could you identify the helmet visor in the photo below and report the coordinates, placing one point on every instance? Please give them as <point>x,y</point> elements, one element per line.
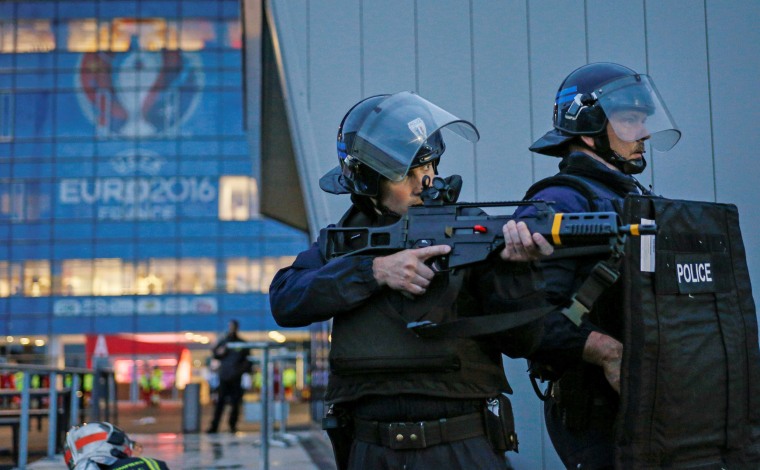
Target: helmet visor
<point>635,110</point>
<point>398,128</point>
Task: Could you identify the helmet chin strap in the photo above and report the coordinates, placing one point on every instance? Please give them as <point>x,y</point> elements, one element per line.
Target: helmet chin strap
<point>627,167</point>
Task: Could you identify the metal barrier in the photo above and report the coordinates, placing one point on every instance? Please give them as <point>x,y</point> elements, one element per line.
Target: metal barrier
<point>65,399</point>
<point>267,391</point>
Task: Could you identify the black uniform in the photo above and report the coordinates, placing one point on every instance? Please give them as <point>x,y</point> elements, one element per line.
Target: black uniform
<point>233,364</point>
<point>383,375</point>
<point>580,413</point>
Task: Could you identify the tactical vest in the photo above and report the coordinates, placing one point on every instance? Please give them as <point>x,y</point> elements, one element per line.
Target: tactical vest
<point>584,396</point>
<point>373,352</point>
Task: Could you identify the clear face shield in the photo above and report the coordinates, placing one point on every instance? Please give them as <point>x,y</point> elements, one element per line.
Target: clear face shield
<point>392,135</point>
<point>635,110</point>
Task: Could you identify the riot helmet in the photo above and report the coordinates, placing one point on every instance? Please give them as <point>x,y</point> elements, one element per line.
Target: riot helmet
<point>98,442</point>
<point>385,136</point>
<point>597,94</point>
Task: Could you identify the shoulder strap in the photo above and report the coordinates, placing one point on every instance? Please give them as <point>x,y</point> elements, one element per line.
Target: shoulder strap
<point>575,182</point>
<point>478,326</point>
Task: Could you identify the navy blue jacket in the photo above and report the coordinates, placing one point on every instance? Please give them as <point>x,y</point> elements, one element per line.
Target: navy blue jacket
<point>562,344</point>
<point>313,290</point>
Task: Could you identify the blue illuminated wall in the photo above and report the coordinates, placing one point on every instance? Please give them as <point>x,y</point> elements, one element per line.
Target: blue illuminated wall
<point>128,197</point>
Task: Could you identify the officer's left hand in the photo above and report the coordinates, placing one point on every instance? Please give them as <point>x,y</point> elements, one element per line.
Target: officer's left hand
<point>521,245</point>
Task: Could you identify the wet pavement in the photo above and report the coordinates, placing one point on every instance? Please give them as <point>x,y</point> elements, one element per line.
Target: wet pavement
<point>159,432</point>
<point>224,451</point>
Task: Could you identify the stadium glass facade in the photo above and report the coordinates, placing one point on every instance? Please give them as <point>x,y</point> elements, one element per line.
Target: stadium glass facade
<point>128,197</point>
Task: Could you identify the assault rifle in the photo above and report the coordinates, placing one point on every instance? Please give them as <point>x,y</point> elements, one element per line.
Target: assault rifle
<point>473,234</point>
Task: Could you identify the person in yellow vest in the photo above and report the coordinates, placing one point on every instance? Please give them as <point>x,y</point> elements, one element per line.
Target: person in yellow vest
<point>145,389</point>
<point>289,382</point>
<point>156,385</point>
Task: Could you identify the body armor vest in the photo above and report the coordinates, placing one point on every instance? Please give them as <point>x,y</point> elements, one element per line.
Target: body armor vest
<point>373,352</point>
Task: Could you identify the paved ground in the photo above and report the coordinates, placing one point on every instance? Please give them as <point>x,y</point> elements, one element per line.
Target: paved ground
<point>159,431</point>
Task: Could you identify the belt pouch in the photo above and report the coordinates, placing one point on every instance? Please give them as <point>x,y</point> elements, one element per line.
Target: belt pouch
<point>339,427</point>
<point>500,423</point>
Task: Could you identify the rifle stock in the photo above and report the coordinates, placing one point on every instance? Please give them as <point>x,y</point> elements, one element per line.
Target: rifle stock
<point>474,234</point>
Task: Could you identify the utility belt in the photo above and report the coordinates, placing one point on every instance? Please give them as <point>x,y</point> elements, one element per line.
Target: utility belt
<point>495,421</point>
<point>419,435</point>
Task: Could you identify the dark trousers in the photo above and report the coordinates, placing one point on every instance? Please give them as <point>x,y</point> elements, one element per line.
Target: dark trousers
<point>231,392</point>
<point>592,448</point>
<point>467,454</point>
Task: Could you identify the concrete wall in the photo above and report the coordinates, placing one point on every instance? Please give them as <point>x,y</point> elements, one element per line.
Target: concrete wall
<point>499,64</point>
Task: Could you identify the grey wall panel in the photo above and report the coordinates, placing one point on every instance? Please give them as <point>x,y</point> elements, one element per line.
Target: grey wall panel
<point>444,70</point>
<point>503,171</point>
<point>299,26</point>
<point>678,64</point>
<point>557,46</point>
<point>389,47</point>
<point>285,26</point>
<point>502,100</point>
<point>616,32</point>
<point>734,53</point>
<point>334,58</point>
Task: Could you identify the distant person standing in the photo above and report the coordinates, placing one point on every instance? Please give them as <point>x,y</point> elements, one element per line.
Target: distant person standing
<point>156,385</point>
<point>233,363</point>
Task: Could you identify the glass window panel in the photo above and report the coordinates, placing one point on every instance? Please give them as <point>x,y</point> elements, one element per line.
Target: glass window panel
<point>238,198</point>
<point>153,34</point>
<point>34,80</point>
<point>5,279</point>
<point>34,36</point>
<point>15,279</point>
<point>76,9</point>
<point>238,278</point>
<point>234,37</point>
<point>197,275</point>
<point>268,267</point>
<point>34,114</point>
<point>76,277</point>
<point>83,35</point>
<point>36,9</point>
<point>156,276</point>
<point>195,34</point>
<point>199,8</point>
<point>159,8</point>
<point>113,277</point>
<point>36,278</point>
<point>7,29</point>
<point>230,8</point>
<point>6,200</point>
<point>118,8</point>
<point>29,200</point>
<point>6,116</point>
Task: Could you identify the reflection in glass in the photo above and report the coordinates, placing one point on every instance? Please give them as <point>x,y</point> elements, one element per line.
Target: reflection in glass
<point>238,198</point>
<point>76,277</point>
<point>37,278</point>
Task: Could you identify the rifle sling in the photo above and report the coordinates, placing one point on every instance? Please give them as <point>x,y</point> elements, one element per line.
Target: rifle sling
<point>604,274</point>
<point>480,325</point>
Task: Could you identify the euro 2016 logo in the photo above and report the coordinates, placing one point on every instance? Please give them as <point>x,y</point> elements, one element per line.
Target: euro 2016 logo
<point>139,93</point>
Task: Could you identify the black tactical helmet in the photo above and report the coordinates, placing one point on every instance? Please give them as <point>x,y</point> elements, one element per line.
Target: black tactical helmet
<point>374,136</point>
<point>594,92</point>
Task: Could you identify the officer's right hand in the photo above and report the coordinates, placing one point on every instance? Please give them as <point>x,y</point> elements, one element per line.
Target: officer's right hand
<point>606,352</point>
<point>406,270</point>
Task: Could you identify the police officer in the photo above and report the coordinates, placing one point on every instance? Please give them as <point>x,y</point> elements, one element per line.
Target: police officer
<point>604,115</point>
<point>233,363</point>
<point>412,402</point>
